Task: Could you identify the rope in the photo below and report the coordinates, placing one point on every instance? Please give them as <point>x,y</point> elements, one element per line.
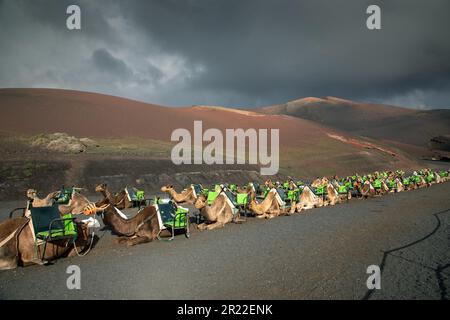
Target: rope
<point>90,245</point>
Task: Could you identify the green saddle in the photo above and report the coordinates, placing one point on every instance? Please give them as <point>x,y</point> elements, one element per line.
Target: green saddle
<point>377,184</point>
<point>212,195</point>
<point>320,190</point>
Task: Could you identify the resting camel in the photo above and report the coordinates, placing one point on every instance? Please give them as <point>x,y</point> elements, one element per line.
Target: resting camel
<point>37,202</point>
<point>332,195</point>
<point>399,185</point>
<point>308,200</point>
<point>367,190</point>
<point>218,214</point>
<point>76,204</point>
<point>269,208</point>
<point>17,242</point>
<point>143,227</point>
<point>187,195</point>
<point>319,182</point>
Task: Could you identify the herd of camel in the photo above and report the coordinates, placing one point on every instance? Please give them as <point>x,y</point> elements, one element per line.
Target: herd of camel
<point>268,200</point>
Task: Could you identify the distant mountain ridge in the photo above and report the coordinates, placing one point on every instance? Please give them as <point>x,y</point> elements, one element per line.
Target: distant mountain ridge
<point>377,121</point>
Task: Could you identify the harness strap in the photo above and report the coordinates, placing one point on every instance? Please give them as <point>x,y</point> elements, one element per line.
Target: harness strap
<point>6,240</point>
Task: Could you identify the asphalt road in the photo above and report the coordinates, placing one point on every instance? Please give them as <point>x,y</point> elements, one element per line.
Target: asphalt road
<point>323,254</point>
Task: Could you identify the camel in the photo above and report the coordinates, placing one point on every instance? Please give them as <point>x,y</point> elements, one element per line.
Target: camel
<point>319,182</point>
<point>367,190</point>
<point>332,195</point>
<point>108,197</point>
<point>17,242</point>
<point>218,214</point>
<point>269,208</point>
<point>143,227</point>
<point>308,200</point>
<point>76,205</point>
<point>187,195</point>
<point>399,185</point>
<point>37,202</point>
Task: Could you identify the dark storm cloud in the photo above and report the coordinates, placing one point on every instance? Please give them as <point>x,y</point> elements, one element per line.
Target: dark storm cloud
<point>105,62</point>
<point>244,53</point>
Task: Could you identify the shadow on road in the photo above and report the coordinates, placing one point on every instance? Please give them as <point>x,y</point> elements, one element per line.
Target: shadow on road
<point>438,271</point>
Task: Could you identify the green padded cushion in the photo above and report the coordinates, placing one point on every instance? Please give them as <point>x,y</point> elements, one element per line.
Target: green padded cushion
<point>342,189</point>
<point>140,195</point>
<point>241,198</point>
<point>212,195</point>
<point>180,219</point>
<point>167,212</point>
<point>320,190</point>
<point>377,184</point>
<point>292,195</point>
<point>69,229</point>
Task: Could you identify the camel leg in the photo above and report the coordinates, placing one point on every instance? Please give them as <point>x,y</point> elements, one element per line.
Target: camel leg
<point>215,225</point>
<point>238,219</point>
<point>122,239</point>
<point>8,263</point>
<point>138,240</point>
<point>202,226</point>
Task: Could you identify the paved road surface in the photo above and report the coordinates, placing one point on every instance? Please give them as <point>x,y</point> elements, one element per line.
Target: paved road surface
<point>322,254</point>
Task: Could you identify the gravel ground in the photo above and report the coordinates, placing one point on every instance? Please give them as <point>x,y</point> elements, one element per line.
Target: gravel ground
<point>322,254</point>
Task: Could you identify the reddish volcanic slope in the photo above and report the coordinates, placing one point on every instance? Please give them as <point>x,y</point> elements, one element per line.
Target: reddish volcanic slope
<point>78,113</point>
<point>384,123</point>
<point>303,143</point>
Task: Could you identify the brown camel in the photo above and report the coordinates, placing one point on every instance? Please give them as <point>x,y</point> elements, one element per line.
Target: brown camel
<point>117,200</point>
<point>308,200</point>
<point>76,205</point>
<point>143,227</point>
<point>319,182</point>
<point>17,244</point>
<point>218,214</point>
<point>269,208</point>
<point>368,190</point>
<point>399,185</point>
<point>332,195</point>
<point>37,202</point>
<point>186,196</point>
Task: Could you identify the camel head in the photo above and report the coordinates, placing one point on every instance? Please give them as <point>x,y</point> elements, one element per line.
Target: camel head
<point>200,202</point>
<point>31,194</point>
<point>101,187</point>
<point>268,183</point>
<point>167,188</point>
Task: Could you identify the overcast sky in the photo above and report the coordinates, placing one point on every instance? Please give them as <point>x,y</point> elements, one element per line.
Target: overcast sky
<point>231,52</point>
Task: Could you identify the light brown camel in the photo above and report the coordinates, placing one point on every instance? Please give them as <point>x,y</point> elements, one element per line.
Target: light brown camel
<point>319,182</point>
<point>218,214</point>
<point>269,184</point>
<point>269,208</point>
<point>45,202</point>
<point>17,244</point>
<point>332,195</point>
<point>143,227</point>
<point>368,190</point>
<point>119,200</point>
<point>399,185</point>
<point>186,196</point>
<point>308,200</point>
<point>76,205</point>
